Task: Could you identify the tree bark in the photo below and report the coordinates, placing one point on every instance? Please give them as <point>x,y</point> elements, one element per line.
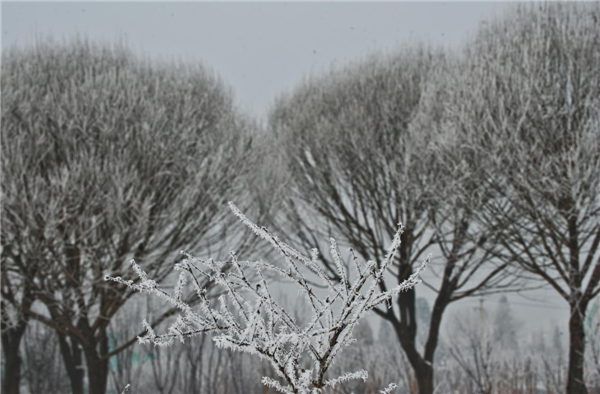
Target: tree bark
<point>97,374</point>
<point>73,363</point>
<point>575,377</point>
<point>11,341</point>
<point>406,329</point>
<point>97,367</point>
<point>425,379</point>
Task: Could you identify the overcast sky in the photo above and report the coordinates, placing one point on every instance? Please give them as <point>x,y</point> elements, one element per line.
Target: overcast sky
<point>262,49</point>
<point>258,48</point>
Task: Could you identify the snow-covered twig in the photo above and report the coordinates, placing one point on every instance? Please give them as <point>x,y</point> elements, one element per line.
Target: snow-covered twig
<point>249,319</point>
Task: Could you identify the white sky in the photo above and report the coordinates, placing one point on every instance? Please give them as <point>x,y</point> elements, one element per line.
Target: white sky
<point>262,49</point>
<point>258,48</point>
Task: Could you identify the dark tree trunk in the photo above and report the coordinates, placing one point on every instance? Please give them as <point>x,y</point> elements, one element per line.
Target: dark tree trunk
<point>578,305</point>
<point>406,330</point>
<point>97,374</point>
<point>94,350</point>
<point>425,379</point>
<point>73,361</point>
<point>575,381</point>
<point>11,341</point>
<point>97,367</point>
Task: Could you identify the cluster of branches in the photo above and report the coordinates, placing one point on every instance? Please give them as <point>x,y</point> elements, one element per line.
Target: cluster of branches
<point>250,319</point>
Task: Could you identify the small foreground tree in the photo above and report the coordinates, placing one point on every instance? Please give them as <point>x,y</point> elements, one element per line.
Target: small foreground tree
<point>250,319</point>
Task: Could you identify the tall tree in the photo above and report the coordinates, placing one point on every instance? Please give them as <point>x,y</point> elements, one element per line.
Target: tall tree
<point>106,158</point>
<point>15,292</point>
<point>362,157</point>
<point>526,99</point>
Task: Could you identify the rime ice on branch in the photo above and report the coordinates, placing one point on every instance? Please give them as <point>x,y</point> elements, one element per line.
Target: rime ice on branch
<point>248,318</point>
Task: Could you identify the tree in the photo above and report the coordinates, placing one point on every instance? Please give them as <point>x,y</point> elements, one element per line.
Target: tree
<point>526,99</point>
<point>250,319</point>
<point>106,157</point>
<point>42,366</point>
<point>363,154</point>
<point>505,326</point>
<point>14,291</point>
<point>478,344</point>
<point>475,350</point>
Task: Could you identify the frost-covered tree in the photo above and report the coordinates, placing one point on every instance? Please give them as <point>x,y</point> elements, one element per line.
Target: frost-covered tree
<point>16,293</point>
<point>249,317</point>
<point>525,98</point>
<point>107,157</point>
<point>505,326</point>
<point>477,349</point>
<point>43,371</point>
<point>362,155</point>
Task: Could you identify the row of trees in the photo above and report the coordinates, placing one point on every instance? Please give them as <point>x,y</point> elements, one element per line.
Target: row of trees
<point>490,157</point>
<point>483,356</point>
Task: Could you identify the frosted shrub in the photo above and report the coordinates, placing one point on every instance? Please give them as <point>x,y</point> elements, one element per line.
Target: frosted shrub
<point>248,317</point>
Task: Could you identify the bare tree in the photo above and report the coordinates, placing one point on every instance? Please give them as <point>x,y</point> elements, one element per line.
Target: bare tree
<point>42,367</point>
<point>365,153</point>
<point>250,319</point>
<point>16,293</point>
<point>126,367</point>
<point>593,352</point>
<point>482,344</point>
<point>105,158</point>
<point>479,347</point>
<point>165,365</point>
<point>475,350</point>
<point>397,368</point>
<point>526,98</point>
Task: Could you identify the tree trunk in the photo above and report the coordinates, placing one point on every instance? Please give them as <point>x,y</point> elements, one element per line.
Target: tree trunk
<point>406,332</point>
<point>97,374</point>
<point>94,349</point>
<point>96,366</point>
<point>73,363</point>
<point>406,329</point>
<point>11,341</point>
<point>575,381</point>
<point>424,376</point>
